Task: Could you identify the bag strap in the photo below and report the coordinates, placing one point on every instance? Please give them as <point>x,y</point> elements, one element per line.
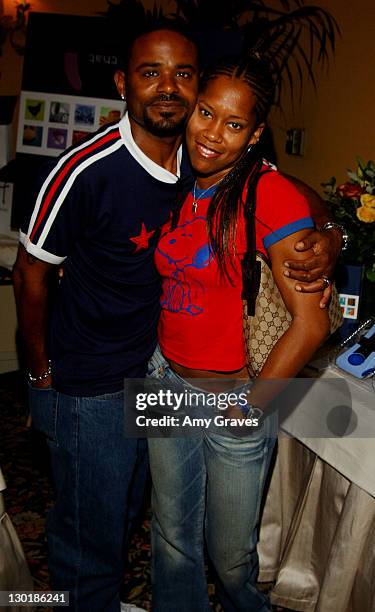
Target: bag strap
<point>251,267</point>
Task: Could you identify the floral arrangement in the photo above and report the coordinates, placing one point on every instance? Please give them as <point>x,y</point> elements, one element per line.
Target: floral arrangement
<point>353,205</point>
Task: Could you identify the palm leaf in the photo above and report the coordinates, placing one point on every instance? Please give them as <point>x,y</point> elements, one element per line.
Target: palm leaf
<point>294,34</point>
<point>202,13</point>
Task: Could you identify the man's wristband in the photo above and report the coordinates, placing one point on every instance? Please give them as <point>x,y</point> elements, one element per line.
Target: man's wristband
<point>332,225</point>
<point>42,376</point>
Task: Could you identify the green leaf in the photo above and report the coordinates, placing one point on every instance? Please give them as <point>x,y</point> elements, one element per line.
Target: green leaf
<point>360,162</point>
<point>330,182</point>
<point>353,176</point>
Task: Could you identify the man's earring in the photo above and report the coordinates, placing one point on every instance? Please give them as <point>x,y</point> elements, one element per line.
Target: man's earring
<point>122,96</point>
<point>251,146</point>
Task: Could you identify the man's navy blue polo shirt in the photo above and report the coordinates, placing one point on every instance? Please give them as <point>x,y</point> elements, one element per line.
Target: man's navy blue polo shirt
<point>99,213</point>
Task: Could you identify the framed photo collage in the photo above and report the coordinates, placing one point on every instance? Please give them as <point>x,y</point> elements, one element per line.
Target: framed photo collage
<point>49,123</point>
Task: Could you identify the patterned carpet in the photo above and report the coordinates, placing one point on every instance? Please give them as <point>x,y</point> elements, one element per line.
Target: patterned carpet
<point>24,462</point>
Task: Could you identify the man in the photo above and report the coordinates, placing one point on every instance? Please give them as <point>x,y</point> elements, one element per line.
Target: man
<point>99,211</point>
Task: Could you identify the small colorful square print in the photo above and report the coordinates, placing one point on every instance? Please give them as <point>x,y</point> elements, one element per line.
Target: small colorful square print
<point>32,135</point>
<point>349,305</point>
<point>57,138</point>
<point>79,135</point>
<point>59,112</point>
<point>84,114</point>
<point>109,115</point>
<point>34,109</point>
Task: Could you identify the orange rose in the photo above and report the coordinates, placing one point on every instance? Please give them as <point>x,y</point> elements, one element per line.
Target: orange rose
<point>365,214</point>
<point>368,200</point>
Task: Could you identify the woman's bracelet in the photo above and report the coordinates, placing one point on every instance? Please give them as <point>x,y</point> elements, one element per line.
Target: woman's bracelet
<point>42,376</point>
<point>252,412</point>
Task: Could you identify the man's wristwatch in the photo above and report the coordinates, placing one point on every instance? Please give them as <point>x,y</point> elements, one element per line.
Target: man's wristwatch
<point>332,225</point>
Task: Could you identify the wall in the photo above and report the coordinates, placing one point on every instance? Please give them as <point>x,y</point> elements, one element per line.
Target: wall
<point>11,62</point>
<point>8,327</point>
<point>339,116</point>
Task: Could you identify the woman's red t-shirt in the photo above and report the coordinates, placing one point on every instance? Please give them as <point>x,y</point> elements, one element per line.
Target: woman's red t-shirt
<point>200,325</point>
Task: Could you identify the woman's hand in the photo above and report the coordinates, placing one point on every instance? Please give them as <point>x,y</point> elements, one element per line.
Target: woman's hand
<point>239,422</point>
<point>312,272</point>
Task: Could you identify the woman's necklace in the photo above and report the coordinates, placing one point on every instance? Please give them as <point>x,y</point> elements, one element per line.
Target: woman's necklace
<point>201,195</point>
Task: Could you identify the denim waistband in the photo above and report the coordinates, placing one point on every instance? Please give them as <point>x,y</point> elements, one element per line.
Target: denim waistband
<point>160,370</point>
<point>158,366</point>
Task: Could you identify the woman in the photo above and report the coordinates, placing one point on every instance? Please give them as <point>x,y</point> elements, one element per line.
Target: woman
<point>211,484</point>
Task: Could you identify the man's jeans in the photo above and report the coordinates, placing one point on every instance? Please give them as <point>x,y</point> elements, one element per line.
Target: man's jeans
<point>99,478</point>
<point>211,484</point>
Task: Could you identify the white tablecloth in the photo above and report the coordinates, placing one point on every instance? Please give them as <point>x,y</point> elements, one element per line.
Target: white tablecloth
<point>14,572</point>
<point>353,453</point>
<point>318,528</point>
<point>8,251</point>
<point>2,481</point>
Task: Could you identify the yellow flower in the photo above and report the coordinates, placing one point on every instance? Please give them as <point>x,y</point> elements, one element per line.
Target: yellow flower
<point>365,214</point>
<point>368,200</point>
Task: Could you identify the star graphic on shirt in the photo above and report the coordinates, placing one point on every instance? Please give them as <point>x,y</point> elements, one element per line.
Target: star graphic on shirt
<point>142,240</point>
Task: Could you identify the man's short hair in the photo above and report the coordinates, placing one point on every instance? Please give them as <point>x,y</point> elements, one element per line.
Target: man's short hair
<point>164,23</point>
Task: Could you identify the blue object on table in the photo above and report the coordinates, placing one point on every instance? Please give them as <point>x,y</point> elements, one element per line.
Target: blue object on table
<point>359,359</point>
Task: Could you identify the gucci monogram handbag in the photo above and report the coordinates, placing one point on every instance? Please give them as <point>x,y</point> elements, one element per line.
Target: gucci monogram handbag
<point>265,316</point>
<point>271,318</point>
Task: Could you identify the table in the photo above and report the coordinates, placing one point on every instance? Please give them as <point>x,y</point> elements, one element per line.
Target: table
<point>14,572</point>
<point>318,527</point>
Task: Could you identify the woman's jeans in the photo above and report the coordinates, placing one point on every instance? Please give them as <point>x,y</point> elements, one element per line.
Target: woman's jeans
<point>99,477</point>
<point>208,485</point>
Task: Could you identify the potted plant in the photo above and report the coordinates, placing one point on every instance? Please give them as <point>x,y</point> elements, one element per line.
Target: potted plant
<point>352,204</point>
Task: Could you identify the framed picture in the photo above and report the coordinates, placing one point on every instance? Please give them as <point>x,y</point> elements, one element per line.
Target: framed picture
<point>49,123</point>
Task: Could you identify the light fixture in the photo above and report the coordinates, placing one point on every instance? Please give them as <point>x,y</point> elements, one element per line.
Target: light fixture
<point>14,28</point>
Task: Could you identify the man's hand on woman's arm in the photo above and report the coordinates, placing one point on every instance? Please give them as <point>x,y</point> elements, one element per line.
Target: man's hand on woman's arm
<point>324,246</point>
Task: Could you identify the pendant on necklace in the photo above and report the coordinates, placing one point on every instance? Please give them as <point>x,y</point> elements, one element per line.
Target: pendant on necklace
<point>194,207</point>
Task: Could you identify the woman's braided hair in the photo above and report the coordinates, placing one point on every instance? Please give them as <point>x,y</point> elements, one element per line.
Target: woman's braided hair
<point>227,202</point>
